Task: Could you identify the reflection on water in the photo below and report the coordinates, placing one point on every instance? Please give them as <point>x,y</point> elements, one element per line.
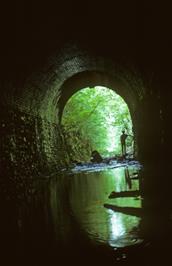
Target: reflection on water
<point>83,218</point>
<point>69,216</point>
<point>89,192</point>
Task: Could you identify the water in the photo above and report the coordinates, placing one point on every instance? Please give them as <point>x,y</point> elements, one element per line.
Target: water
<point>88,194</point>
<point>69,219</point>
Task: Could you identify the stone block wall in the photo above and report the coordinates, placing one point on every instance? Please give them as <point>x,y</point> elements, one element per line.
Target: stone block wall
<point>32,142</point>
<point>25,151</point>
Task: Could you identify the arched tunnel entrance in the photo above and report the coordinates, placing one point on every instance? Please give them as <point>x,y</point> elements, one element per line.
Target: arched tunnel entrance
<point>131,96</point>
<point>93,119</point>
<point>34,157</point>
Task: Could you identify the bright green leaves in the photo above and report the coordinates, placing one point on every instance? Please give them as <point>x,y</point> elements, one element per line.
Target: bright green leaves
<point>97,116</point>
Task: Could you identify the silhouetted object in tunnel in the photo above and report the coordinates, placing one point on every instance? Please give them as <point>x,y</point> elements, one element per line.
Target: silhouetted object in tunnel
<point>96,157</point>
<point>127,178</point>
<point>121,194</point>
<point>123,143</point>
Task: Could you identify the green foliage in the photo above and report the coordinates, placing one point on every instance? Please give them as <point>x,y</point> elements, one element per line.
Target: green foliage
<point>95,117</point>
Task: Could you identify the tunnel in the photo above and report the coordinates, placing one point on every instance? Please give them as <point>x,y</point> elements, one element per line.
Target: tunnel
<point>38,80</point>
<point>45,94</point>
<point>39,106</point>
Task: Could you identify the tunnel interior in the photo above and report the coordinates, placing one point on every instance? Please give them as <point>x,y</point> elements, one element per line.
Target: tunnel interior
<point>32,141</point>
<point>40,105</point>
<point>41,71</point>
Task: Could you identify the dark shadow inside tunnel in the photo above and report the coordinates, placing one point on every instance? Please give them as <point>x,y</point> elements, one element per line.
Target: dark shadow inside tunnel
<point>51,215</point>
<point>34,149</point>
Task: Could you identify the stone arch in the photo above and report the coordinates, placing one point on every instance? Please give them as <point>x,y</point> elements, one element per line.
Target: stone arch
<point>123,82</point>
<point>94,78</point>
<point>44,93</point>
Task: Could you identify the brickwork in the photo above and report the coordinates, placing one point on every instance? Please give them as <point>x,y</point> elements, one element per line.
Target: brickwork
<point>25,151</point>
<point>31,138</point>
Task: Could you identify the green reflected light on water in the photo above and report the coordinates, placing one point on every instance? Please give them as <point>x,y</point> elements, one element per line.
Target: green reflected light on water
<point>90,191</point>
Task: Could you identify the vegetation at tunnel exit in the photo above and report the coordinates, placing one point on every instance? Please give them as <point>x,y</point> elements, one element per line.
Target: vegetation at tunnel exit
<point>93,119</point>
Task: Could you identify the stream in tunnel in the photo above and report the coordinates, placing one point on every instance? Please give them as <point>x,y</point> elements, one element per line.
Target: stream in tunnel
<point>73,218</point>
<point>90,191</point>
<point>73,80</point>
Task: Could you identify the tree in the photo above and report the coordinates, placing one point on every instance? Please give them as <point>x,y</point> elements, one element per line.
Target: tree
<point>93,119</point>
